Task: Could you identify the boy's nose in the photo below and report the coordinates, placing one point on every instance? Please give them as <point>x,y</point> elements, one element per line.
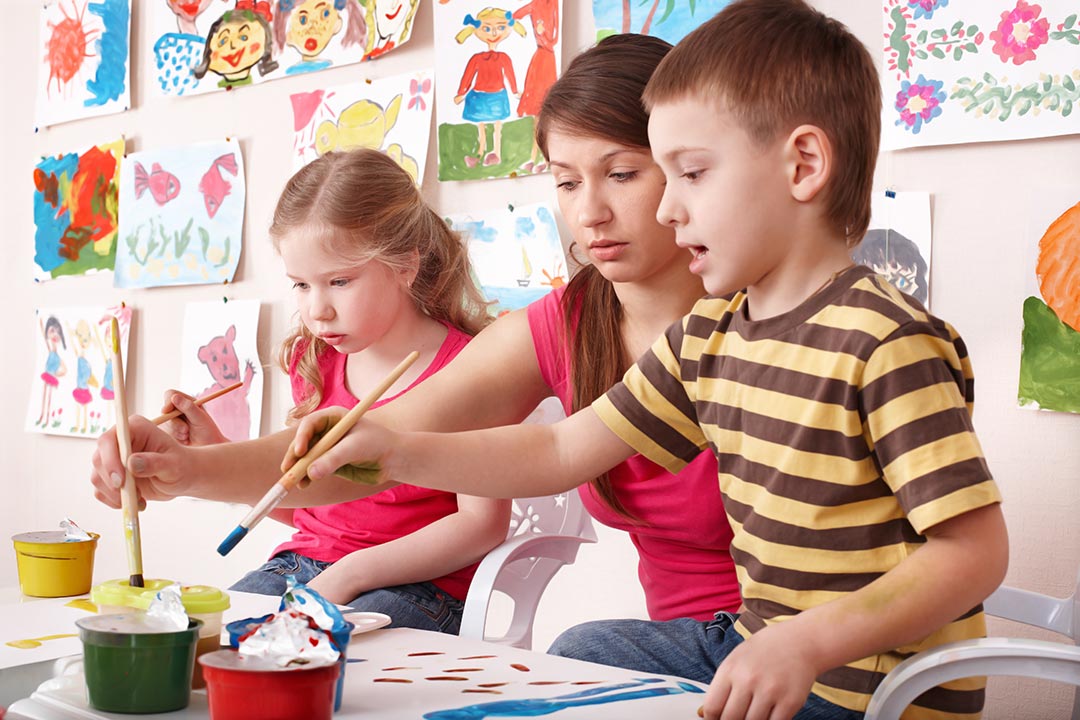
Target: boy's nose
<point>667,212</point>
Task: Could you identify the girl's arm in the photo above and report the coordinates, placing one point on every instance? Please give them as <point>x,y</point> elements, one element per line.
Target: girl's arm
<point>508,70</point>
<point>446,545</point>
<point>467,76</point>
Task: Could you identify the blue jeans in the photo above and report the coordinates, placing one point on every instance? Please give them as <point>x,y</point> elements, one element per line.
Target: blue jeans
<point>684,648</point>
<point>419,605</point>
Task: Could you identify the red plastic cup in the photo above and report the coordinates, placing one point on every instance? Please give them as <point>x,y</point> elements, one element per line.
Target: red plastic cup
<point>248,688</point>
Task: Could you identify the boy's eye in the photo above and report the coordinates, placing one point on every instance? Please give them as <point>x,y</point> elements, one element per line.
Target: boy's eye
<point>693,175</point>
<point>300,286</point>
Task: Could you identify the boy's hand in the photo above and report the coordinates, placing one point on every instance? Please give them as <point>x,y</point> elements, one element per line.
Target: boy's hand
<point>157,462</point>
<point>195,426</point>
<point>768,677</point>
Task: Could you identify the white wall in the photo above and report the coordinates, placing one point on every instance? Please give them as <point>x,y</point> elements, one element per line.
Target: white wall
<point>984,195</point>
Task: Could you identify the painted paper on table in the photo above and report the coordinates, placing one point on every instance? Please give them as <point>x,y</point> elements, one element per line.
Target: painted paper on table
<point>209,45</point>
<point>83,53</point>
<point>671,20</point>
<point>75,211</point>
<point>1050,349</point>
<point>493,71</point>
<point>219,349</point>
<point>959,71</point>
<point>898,243</point>
<point>72,389</point>
<point>392,115</point>
<point>516,254</point>
<point>181,215</point>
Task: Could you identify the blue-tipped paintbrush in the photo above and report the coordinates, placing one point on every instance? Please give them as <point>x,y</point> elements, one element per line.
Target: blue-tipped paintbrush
<point>298,471</point>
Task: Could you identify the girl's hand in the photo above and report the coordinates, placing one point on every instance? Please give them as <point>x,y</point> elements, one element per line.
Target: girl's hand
<point>458,99</point>
<point>332,585</point>
<point>157,463</point>
<point>195,426</point>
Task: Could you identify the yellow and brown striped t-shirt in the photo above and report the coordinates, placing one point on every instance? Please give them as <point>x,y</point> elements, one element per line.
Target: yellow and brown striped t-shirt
<point>842,430</point>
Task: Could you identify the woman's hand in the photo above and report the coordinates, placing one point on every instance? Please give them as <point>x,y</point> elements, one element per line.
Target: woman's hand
<point>194,426</point>
<point>157,463</point>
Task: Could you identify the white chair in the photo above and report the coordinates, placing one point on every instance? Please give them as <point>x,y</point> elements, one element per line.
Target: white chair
<point>994,655</point>
<point>545,534</point>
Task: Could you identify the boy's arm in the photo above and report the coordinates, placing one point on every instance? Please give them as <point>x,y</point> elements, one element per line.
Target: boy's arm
<point>446,545</point>
<point>505,462</point>
<point>770,675</point>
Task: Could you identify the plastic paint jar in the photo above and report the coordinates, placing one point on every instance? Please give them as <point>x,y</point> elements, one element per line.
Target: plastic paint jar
<point>51,565</point>
<point>131,666</point>
<point>201,602</point>
<point>239,628</point>
<point>251,688</point>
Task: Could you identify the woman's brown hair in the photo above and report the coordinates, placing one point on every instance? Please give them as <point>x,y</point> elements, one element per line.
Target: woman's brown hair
<point>599,95</point>
<point>369,209</point>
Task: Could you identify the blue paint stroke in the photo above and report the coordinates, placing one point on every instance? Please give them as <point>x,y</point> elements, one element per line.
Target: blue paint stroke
<point>524,227</point>
<point>534,707</point>
<point>112,47</point>
<point>51,223</point>
<point>673,28</point>
<point>544,216</point>
<point>176,54</point>
<point>477,230</point>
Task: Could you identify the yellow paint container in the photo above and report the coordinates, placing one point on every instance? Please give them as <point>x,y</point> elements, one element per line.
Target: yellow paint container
<point>50,565</point>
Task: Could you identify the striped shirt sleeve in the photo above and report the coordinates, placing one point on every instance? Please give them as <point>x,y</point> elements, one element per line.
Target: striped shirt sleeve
<point>916,398</point>
<point>651,410</point>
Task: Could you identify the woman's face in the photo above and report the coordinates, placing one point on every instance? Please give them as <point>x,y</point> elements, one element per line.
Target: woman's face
<point>608,194</point>
<point>236,47</point>
<point>312,25</point>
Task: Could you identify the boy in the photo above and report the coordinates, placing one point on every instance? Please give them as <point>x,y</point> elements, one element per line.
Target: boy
<point>867,526</point>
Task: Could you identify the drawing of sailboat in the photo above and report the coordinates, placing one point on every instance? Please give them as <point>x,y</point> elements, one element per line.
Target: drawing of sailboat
<point>526,269</point>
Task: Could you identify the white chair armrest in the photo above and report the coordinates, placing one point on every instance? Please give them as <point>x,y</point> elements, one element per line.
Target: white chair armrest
<point>561,549</point>
<point>970,658</point>
<point>1031,608</point>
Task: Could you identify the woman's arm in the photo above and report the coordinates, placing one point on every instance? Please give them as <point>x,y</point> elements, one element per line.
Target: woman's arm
<point>446,545</point>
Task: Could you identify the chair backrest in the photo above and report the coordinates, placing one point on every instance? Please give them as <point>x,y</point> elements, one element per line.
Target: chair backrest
<point>561,514</point>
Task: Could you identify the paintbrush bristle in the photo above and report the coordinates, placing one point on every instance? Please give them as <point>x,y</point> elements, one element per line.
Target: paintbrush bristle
<point>136,581</point>
<point>230,542</point>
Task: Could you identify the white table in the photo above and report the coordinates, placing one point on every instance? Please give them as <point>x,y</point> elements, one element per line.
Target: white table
<point>403,674</point>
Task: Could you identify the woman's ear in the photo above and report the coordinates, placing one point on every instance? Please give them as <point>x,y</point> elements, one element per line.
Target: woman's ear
<point>808,157</point>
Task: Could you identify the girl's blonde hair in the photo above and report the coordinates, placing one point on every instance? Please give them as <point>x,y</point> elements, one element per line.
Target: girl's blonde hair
<point>471,23</point>
<point>373,211</point>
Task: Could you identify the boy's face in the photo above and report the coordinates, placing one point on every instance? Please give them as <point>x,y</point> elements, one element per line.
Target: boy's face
<point>726,196</point>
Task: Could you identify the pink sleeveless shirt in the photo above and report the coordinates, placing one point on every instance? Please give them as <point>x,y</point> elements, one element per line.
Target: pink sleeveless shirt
<point>683,536</point>
<point>330,532</point>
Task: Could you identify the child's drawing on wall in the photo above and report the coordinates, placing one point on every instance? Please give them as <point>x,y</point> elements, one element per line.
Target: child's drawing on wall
<point>896,257</point>
<point>543,67</point>
<point>73,390</point>
<point>238,41</point>
<point>392,115</point>
<point>187,12</point>
<point>219,350</point>
<point>486,77</point>
<point>308,26</point>
<point>389,24</point>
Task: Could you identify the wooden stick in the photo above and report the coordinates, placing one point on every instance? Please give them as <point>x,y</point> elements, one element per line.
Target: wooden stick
<point>129,496</point>
<point>298,471</point>
<point>199,402</point>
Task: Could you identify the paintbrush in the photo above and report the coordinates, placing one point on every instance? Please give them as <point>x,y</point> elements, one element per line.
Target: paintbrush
<point>298,471</point>
<point>129,496</point>
<point>198,403</point>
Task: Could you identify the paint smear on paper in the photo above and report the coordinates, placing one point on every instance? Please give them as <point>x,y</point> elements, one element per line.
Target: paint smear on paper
<point>1049,360</point>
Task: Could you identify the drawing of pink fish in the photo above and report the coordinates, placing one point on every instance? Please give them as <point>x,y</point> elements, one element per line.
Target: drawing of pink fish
<point>213,186</point>
<point>163,185</point>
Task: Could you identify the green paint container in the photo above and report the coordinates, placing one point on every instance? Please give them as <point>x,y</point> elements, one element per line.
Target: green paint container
<point>133,666</point>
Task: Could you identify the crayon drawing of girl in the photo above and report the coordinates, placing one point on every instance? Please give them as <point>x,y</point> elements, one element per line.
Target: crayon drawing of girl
<point>54,365</point>
<point>483,85</point>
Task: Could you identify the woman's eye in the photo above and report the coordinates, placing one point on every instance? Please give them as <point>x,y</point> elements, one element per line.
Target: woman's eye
<point>623,176</point>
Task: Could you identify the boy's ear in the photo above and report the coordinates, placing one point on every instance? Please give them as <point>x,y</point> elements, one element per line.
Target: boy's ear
<point>808,160</point>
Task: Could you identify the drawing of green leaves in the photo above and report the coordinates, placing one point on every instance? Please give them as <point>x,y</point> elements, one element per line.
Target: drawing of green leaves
<point>990,98</point>
<point>205,236</point>
<point>183,239</point>
<point>1067,32</point>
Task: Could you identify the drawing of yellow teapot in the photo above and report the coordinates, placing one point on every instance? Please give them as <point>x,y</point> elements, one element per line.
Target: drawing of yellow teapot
<point>365,124</point>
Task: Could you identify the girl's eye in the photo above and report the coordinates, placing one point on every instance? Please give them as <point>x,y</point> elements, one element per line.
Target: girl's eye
<point>243,38</point>
<point>221,42</point>
<point>339,282</point>
<point>303,20</point>
<point>326,13</point>
<point>623,176</point>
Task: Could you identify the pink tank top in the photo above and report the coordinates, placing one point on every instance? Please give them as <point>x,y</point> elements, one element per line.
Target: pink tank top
<point>330,532</point>
<point>683,537</point>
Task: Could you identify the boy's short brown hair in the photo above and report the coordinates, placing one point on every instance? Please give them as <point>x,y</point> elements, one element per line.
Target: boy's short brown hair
<point>778,64</point>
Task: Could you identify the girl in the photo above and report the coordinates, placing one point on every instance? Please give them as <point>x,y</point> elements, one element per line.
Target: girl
<point>84,376</point>
<point>575,343</point>
<point>483,85</point>
<point>238,41</point>
<point>376,274</point>
<point>55,368</point>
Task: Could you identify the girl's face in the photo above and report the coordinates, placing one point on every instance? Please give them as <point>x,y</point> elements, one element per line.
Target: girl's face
<point>390,16</point>
<point>236,47</point>
<point>53,334</point>
<point>349,306</point>
<point>187,9</point>
<point>493,31</point>
<point>82,333</point>
<point>312,25</point>
<point>608,194</point>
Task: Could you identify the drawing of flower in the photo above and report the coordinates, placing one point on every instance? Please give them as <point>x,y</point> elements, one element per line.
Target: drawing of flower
<point>1019,33</point>
<point>919,102</point>
<point>926,8</point>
